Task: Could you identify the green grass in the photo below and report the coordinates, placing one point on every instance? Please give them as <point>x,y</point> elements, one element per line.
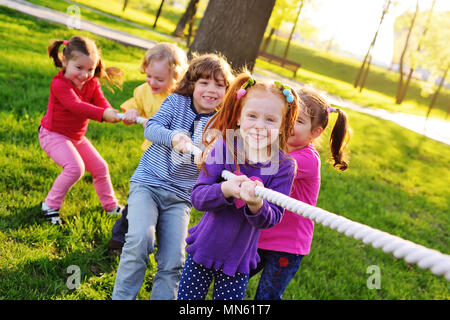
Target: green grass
<point>397,182</point>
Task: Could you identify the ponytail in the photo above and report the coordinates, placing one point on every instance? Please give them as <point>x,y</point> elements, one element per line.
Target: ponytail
<point>337,137</point>
<point>113,76</point>
<point>53,52</point>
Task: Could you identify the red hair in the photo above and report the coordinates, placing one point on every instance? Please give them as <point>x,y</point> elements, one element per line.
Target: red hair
<point>228,115</point>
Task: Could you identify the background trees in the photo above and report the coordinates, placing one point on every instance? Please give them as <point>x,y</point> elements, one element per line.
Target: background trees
<point>235,28</point>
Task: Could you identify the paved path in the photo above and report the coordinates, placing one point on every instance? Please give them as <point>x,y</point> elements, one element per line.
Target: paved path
<point>433,128</point>
<point>67,20</point>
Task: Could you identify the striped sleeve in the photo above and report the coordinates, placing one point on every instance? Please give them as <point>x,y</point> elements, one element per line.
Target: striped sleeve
<point>159,127</point>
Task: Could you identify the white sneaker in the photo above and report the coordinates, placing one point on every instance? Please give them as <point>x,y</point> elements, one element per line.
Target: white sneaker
<point>51,215</point>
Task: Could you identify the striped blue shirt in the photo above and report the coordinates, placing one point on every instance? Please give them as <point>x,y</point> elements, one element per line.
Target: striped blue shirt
<point>162,166</point>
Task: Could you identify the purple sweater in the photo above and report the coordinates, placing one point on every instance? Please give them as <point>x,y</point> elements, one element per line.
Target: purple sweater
<point>226,237</point>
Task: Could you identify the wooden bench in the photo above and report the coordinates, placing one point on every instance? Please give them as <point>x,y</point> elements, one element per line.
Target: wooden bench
<point>290,65</point>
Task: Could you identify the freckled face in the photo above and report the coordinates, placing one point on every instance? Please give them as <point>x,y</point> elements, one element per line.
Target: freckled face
<point>260,120</point>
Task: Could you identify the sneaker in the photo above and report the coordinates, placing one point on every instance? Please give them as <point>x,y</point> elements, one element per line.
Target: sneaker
<point>51,215</point>
<point>114,248</point>
<point>116,211</point>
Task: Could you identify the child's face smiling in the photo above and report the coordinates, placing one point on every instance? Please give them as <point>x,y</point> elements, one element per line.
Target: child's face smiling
<point>208,94</point>
<point>159,76</point>
<point>79,69</point>
<point>302,134</point>
<point>260,120</point>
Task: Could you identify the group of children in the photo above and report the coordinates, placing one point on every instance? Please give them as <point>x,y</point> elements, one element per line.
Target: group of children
<point>263,132</point>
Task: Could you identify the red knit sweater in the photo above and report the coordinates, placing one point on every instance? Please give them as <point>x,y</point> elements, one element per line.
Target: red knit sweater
<point>70,109</point>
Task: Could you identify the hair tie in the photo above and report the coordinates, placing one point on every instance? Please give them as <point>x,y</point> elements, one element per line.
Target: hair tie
<point>286,91</point>
<point>243,90</point>
<point>65,42</point>
<point>331,109</point>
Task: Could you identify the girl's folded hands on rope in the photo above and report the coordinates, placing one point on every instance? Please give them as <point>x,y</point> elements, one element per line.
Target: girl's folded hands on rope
<point>242,187</point>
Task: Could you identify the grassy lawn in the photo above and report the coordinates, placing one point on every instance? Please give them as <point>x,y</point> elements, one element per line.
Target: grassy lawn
<point>397,182</point>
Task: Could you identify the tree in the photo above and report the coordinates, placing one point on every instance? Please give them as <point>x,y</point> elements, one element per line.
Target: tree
<point>125,3</point>
<point>286,50</point>
<point>435,54</point>
<point>282,11</point>
<point>234,28</point>
<point>364,69</point>
<point>158,14</point>
<point>419,48</point>
<point>402,56</point>
<point>187,17</point>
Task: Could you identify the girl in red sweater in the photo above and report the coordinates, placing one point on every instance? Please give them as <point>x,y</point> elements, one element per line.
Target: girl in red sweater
<point>75,98</point>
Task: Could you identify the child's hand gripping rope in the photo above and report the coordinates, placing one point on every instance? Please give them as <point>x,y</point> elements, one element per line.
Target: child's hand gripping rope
<point>188,146</point>
<point>139,120</point>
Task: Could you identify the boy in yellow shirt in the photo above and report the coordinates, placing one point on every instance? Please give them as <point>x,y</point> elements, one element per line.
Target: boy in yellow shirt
<point>164,65</point>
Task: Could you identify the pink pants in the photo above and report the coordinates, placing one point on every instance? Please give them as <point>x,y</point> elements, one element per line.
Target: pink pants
<point>74,157</point>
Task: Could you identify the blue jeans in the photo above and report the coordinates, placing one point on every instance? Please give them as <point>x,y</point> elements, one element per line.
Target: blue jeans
<point>196,279</point>
<point>278,270</point>
<point>153,213</point>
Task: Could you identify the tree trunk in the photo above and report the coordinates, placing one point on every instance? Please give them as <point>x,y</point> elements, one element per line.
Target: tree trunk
<point>356,83</point>
<point>411,71</point>
<point>366,73</point>
<point>188,15</point>
<point>436,93</point>
<point>234,28</point>
<point>158,13</point>
<point>292,31</point>
<point>402,57</point>
<point>267,40</point>
<point>125,3</point>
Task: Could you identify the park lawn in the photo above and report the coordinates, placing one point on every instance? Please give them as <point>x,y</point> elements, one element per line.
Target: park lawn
<point>397,182</point>
<point>325,71</point>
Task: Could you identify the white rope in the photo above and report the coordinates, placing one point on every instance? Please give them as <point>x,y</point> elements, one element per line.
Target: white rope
<point>412,253</point>
<point>191,148</point>
<point>139,120</point>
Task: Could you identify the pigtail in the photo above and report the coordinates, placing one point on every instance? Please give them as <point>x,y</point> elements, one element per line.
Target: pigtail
<point>289,119</point>
<point>112,75</point>
<point>337,137</point>
<point>53,52</point>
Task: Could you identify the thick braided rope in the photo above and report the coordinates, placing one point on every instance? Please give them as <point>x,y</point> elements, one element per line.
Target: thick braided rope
<point>139,120</point>
<point>412,253</point>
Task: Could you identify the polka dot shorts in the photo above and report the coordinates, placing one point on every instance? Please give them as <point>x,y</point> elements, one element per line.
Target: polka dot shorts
<point>196,279</point>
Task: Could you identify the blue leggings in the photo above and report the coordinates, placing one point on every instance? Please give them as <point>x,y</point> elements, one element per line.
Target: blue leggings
<point>196,279</point>
<point>278,270</point>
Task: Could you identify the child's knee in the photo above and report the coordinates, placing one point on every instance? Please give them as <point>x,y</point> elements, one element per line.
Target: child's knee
<point>101,169</point>
<point>74,170</point>
<point>142,239</point>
